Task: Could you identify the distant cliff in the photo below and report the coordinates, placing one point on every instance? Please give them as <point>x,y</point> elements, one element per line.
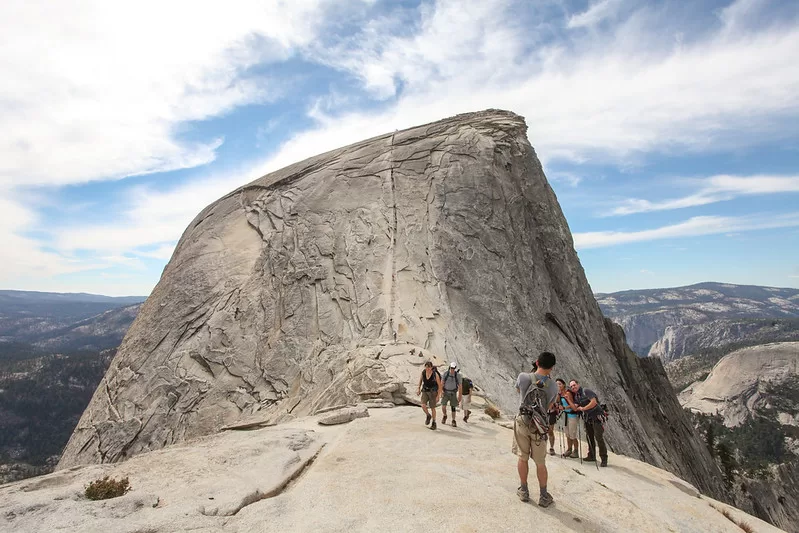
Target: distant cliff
<point>670,323</point>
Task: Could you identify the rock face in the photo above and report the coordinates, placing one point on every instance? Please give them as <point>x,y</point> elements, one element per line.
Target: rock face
<point>758,385</point>
<point>750,381</point>
<point>361,476</point>
<point>319,285</point>
<point>717,336</point>
<point>670,323</point>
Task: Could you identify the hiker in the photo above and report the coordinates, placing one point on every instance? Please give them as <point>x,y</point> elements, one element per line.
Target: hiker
<point>537,393</point>
<point>593,418</point>
<point>430,390</point>
<point>567,405</point>
<point>466,393</point>
<point>452,394</point>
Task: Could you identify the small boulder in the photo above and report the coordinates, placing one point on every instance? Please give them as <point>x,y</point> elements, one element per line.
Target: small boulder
<point>342,416</point>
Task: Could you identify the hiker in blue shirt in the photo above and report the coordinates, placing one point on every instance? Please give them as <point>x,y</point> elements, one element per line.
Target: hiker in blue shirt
<point>568,406</point>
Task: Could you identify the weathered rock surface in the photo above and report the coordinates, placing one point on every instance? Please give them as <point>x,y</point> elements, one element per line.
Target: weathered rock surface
<point>319,284</point>
<point>373,474</point>
<point>745,382</point>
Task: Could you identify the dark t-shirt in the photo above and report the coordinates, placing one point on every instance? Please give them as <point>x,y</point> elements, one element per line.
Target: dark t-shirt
<point>583,398</point>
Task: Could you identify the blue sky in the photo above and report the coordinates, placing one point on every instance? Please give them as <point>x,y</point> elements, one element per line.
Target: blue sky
<point>668,129</point>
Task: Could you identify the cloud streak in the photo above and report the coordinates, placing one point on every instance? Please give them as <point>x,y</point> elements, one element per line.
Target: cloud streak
<point>714,189</point>
<point>594,14</point>
<point>104,96</point>
<point>693,227</point>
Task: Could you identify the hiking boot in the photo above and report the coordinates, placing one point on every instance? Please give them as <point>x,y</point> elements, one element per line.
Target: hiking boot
<point>590,459</point>
<point>604,462</point>
<point>567,455</point>
<point>466,416</point>
<point>454,424</point>
<point>546,500</point>
<point>433,425</point>
<point>552,451</point>
<point>575,455</point>
<point>444,420</point>
<point>426,422</point>
<point>523,494</point>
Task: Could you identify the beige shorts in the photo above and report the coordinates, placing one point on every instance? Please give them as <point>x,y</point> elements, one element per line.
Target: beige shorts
<point>466,402</point>
<point>429,398</point>
<point>527,444</point>
<point>571,426</point>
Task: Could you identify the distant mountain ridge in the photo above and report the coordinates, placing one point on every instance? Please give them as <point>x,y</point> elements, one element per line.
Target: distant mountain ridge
<point>7,296</point>
<point>663,322</point>
<point>33,317</point>
<point>54,349</point>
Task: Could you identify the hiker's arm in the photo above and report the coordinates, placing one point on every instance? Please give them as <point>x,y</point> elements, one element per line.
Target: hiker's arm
<point>419,388</point>
<point>570,400</point>
<point>440,387</point>
<point>591,405</point>
<point>460,394</point>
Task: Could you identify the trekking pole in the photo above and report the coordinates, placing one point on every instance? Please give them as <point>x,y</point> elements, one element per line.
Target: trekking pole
<point>579,440</point>
<point>596,463</point>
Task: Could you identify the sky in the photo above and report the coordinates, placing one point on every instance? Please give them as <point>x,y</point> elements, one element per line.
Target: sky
<point>668,130</point>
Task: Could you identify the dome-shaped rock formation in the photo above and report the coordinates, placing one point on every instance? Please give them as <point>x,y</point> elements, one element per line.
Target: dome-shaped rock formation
<point>309,288</point>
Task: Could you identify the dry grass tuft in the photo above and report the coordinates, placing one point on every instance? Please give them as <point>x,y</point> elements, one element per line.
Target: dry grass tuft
<point>492,411</point>
<point>105,488</point>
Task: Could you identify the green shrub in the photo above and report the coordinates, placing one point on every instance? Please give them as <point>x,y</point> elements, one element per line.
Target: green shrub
<point>103,489</point>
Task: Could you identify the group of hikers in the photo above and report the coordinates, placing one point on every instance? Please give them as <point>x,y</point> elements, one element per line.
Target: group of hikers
<point>542,402</point>
<point>451,388</point>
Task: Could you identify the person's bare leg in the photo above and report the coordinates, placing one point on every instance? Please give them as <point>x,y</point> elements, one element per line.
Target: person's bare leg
<point>523,469</point>
<point>541,472</point>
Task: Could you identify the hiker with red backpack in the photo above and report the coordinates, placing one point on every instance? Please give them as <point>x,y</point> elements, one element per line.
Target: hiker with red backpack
<point>538,392</point>
<point>594,419</point>
<point>430,391</point>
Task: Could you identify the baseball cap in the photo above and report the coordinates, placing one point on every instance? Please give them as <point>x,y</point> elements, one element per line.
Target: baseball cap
<point>453,364</point>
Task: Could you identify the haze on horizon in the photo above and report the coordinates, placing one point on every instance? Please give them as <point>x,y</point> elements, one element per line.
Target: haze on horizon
<point>668,132</point>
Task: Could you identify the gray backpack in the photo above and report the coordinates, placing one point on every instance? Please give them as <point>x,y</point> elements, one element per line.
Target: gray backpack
<point>533,410</point>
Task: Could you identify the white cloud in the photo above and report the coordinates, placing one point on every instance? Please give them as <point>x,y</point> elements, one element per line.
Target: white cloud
<point>23,258</point>
<point>712,190</point>
<point>105,95</point>
<point>153,221</point>
<point>98,90</point>
<point>595,14</point>
<point>607,97</point>
<point>696,226</point>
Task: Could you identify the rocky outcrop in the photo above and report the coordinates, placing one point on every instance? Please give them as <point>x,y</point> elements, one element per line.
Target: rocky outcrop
<point>361,476</point>
<point>756,387</point>
<point>750,381</point>
<point>330,281</point>
<point>342,416</point>
<point>775,498</point>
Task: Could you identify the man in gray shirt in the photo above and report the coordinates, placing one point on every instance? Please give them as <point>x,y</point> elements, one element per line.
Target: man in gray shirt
<point>526,441</point>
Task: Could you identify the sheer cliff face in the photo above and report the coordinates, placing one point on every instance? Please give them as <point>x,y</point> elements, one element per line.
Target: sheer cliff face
<point>309,287</point>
